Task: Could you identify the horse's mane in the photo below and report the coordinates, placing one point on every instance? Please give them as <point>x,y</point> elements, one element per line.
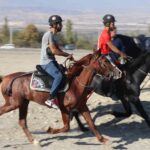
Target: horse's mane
<point>137,62</point>
<point>130,46</point>
<point>84,60</point>
<point>77,67</point>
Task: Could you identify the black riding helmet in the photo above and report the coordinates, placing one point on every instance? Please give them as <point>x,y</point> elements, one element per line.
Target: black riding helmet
<point>107,19</point>
<point>54,19</point>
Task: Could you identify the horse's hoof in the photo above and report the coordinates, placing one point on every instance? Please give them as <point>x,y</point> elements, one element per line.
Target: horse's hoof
<point>119,114</point>
<point>116,114</point>
<point>104,140</point>
<point>36,142</point>
<point>84,129</point>
<point>50,130</point>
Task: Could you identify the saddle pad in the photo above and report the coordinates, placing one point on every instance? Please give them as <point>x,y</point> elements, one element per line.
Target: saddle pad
<point>40,82</point>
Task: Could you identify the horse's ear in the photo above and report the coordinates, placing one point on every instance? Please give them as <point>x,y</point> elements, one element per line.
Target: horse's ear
<point>94,48</point>
<point>96,55</point>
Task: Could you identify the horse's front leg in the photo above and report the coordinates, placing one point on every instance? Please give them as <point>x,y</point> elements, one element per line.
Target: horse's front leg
<point>66,121</point>
<point>127,107</point>
<point>86,114</point>
<point>136,101</point>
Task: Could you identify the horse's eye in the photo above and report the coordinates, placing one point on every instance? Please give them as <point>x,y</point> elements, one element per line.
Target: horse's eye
<point>106,60</point>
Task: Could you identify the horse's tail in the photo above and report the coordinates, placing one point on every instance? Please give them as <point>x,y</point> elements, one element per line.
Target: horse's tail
<point>1,78</point>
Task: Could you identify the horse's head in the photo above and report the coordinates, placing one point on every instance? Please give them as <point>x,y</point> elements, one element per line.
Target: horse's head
<point>102,65</point>
<point>76,67</point>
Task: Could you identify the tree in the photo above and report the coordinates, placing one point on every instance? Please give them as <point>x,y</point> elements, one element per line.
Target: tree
<point>5,31</point>
<point>29,37</point>
<point>84,43</point>
<point>69,34</point>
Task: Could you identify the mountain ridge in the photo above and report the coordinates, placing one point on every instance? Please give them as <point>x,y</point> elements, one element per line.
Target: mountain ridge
<point>20,16</point>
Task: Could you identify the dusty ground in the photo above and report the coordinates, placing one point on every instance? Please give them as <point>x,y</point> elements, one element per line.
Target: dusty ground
<point>131,133</point>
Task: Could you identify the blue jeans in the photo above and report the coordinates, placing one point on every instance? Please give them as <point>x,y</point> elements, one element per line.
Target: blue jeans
<point>114,56</point>
<point>53,70</point>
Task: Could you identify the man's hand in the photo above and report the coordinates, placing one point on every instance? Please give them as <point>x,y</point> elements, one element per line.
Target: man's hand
<point>123,55</point>
<point>71,57</point>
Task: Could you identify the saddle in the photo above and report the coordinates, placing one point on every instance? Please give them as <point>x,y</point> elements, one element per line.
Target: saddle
<point>42,81</point>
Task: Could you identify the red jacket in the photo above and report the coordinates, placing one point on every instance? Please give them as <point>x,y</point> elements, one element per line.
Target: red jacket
<point>102,41</point>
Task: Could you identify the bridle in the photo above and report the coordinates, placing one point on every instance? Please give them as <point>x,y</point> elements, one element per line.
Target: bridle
<point>82,84</point>
<point>93,70</point>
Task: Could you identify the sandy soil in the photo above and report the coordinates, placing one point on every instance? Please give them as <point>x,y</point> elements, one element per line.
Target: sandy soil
<point>130,133</point>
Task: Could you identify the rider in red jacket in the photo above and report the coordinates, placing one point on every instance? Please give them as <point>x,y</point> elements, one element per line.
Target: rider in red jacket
<point>105,45</point>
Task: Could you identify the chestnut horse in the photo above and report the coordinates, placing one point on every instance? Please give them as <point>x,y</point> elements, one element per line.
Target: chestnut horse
<point>75,98</point>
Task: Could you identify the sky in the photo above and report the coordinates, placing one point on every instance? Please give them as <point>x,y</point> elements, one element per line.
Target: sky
<point>82,5</point>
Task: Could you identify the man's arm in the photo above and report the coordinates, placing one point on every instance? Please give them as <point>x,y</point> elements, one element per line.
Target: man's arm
<point>57,51</point>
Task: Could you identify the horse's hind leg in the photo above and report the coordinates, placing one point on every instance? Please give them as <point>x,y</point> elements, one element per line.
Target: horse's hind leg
<point>22,120</point>
<point>66,121</point>
<point>140,109</point>
<point>75,113</point>
<point>10,105</point>
<point>86,114</point>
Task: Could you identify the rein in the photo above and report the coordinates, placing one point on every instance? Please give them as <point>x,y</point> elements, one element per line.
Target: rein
<point>82,84</point>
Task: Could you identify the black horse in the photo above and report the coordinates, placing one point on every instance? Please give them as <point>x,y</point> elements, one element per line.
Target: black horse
<point>132,49</point>
<point>126,89</point>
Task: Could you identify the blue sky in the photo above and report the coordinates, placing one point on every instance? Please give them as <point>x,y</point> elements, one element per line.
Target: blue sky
<point>82,5</point>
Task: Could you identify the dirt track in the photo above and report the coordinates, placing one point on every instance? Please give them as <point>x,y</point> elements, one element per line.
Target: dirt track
<point>131,133</point>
